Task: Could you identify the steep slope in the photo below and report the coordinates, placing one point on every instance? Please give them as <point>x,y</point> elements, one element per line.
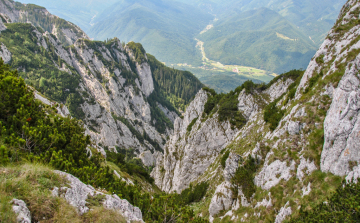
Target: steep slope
<point>298,143</point>
<point>65,31</point>
<point>258,38</point>
<point>109,87</point>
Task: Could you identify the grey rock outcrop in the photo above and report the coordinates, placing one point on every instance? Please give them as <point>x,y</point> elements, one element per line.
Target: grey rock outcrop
<point>231,165</point>
<point>21,210</point>
<point>273,173</point>
<point>247,104</point>
<point>172,116</point>
<point>130,212</point>
<point>305,167</point>
<point>222,199</point>
<point>354,175</point>
<point>278,88</point>
<point>188,154</point>
<point>283,213</point>
<point>5,54</point>
<point>78,192</point>
<point>15,13</point>
<point>294,128</point>
<point>148,158</point>
<point>113,106</point>
<point>342,124</point>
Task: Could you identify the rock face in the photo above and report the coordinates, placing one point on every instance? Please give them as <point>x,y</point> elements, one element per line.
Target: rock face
<point>342,124</point>
<point>273,173</point>
<point>222,199</point>
<point>78,192</point>
<point>13,12</point>
<point>231,165</point>
<point>5,54</point>
<point>189,153</point>
<point>113,87</point>
<point>21,210</point>
<point>284,155</point>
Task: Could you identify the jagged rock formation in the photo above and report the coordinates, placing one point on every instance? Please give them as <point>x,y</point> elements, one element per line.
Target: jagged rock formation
<point>189,153</point>
<point>317,133</point>
<point>65,31</point>
<point>78,192</point>
<point>21,210</point>
<point>114,89</point>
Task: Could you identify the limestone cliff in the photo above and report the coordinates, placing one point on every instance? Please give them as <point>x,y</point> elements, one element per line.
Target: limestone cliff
<point>111,92</point>
<point>313,145</point>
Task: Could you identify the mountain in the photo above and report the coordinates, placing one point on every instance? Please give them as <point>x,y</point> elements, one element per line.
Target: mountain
<point>80,12</point>
<point>82,122</point>
<point>163,27</point>
<point>121,95</point>
<point>259,38</point>
<point>83,125</point>
<point>314,19</point>
<point>282,151</point>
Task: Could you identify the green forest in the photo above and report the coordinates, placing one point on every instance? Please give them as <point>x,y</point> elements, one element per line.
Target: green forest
<point>32,132</point>
<point>179,87</point>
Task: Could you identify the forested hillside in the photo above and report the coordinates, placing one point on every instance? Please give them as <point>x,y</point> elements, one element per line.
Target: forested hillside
<point>32,134</point>
<point>162,27</point>
<point>108,85</point>
<point>258,38</point>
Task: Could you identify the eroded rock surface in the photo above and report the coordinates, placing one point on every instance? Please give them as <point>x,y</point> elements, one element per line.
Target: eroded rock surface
<point>222,199</point>
<point>188,154</point>
<point>21,210</point>
<point>78,192</point>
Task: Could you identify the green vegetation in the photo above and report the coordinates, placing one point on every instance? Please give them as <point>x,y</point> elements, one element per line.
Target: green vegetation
<point>192,123</point>
<point>342,206</point>
<point>226,104</point>
<point>224,158</point>
<point>179,87</point>
<point>244,177</point>
<point>138,51</point>
<point>221,82</point>
<point>129,164</point>
<point>272,113</point>
<point>33,132</point>
<point>38,69</point>
<point>194,194</point>
<point>251,39</point>
<point>312,81</point>
<point>165,28</point>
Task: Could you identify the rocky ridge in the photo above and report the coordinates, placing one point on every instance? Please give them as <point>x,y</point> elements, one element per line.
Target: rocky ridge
<point>113,87</point>
<point>314,145</point>
<point>65,31</point>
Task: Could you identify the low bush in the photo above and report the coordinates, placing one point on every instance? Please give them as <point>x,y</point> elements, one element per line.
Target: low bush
<point>194,194</point>
<point>244,178</point>
<point>224,158</point>
<point>343,206</point>
<point>192,123</point>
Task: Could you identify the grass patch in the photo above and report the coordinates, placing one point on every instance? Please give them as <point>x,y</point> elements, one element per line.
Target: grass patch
<point>224,158</point>
<point>192,123</point>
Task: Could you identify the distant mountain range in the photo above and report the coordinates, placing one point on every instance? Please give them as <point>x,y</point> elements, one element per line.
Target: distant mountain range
<point>272,35</point>
<point>258,38</point>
